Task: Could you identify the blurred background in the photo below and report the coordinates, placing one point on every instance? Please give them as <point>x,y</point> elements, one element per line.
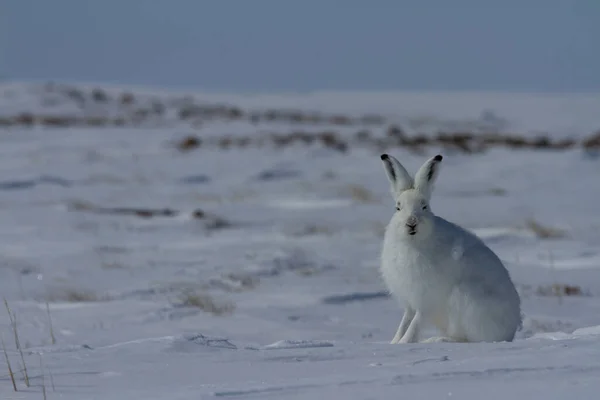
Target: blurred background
<point>276,46</point>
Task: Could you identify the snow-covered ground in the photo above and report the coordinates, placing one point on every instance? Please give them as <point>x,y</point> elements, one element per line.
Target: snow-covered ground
<point>259,277</point>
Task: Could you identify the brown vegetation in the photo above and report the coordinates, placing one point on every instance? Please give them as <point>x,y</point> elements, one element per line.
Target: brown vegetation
<point>137,110</point>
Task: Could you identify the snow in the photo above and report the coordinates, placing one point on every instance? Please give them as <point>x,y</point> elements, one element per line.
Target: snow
<point>275,292</point>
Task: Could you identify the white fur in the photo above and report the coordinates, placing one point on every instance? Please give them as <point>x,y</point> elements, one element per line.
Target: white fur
<point>442,273</point>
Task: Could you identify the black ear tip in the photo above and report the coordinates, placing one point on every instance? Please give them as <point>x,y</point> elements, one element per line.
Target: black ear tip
<point>438,158</point>
<point>384,157</point>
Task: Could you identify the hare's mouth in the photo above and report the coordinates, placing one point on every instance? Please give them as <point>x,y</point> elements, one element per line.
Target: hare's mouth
<point>411,229</point>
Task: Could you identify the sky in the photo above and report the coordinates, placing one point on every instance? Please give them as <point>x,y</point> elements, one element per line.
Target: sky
<point>284,45</point>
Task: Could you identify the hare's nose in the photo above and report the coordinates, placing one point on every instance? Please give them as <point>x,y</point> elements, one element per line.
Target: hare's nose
<point>411,222</point>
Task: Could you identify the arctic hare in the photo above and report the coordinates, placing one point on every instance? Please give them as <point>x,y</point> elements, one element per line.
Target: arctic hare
<point>442,273</point>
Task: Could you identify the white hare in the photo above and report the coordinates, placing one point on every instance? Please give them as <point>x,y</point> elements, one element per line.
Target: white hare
<point>442,273</point>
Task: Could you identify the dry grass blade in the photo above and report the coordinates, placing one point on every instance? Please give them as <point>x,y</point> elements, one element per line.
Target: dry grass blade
<point>52,381</point>
<point>12,324</point>
<point>43,378</point>
<point>10,371</point>
<point>16,332</point>
<point>13,321</point>
<point>52,337</point>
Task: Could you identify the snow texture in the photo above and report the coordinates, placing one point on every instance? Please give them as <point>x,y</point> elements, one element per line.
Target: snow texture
<point>273,290</point>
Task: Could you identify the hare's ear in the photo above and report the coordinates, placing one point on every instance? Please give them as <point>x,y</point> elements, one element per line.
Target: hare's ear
<point>427,174</point>
<point>397,175</point>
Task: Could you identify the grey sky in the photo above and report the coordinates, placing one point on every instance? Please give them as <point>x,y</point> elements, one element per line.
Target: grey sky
<point>285,45</point>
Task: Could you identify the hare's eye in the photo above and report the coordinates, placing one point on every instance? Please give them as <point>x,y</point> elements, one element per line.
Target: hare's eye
<point>425,207</point>
<point>398,207</point>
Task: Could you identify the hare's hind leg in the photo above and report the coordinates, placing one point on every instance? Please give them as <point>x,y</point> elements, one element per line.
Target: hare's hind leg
<point>407,318</point>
